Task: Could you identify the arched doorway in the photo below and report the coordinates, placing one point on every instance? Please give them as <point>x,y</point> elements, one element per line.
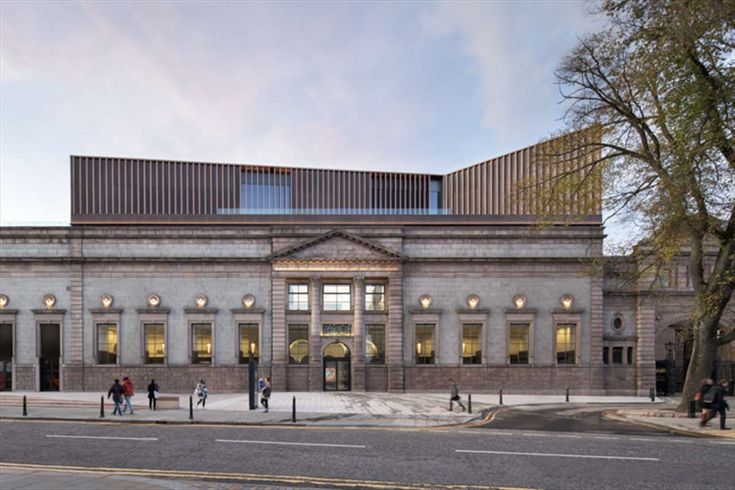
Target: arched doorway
<point>336,367</point>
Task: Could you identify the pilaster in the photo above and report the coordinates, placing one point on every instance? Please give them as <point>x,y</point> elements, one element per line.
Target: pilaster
<point>315,334</point>
<point>646,348</point>
<point>358,332</point>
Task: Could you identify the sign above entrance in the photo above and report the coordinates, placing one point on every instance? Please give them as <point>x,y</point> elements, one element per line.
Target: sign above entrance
<point>336,330</point>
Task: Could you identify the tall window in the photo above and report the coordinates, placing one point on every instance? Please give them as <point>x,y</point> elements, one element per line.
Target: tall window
<point>566,343</point>
<point>265,189</point>
<point>471,345</point>
<point>155,347</point>
<point>106,343</point>
<point>518,343</point>
<point>375,344</point>
<point>6,356</point>
<point>617,355</point>
<point>605,354</point>
<point>298,344</point>
<point>337,297</point>
<point>375,297</point>
<point>424,343</point>
<point>435,195</point>
<point>249,345</point>
<point>630,355</point>
<point>298,297</point>
<point>201,343</point>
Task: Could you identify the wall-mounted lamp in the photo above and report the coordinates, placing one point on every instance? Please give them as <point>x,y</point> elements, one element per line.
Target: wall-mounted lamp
<point>4,300</point>
<point>248,301</point>
<point>519,301</point>
<point>201,300</point>
<point>106,300</point>
<point>425,301</point>
<point>49,300</point>
<point>154,300</point>
<point>473,301</point>
<point>566,300</point>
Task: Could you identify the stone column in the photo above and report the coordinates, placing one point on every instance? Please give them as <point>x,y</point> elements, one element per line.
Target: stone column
<point>358,334</point>
<point>72,358</point>
<point>394,333</point>
<point>279,335</point>
<point>315,335</point>
<point>596,334</point>
<point>645,378</point>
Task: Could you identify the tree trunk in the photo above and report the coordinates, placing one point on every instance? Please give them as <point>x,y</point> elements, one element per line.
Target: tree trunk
<point>702,361</point>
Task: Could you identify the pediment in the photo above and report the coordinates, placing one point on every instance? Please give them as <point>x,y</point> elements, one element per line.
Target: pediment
<point>337,245</point>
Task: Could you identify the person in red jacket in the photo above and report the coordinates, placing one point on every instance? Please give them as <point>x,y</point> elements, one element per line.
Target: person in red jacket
<point>128,393</point>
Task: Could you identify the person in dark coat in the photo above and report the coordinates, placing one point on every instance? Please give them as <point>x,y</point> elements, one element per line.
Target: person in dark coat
<point>152,394</point>
<point>116,392</point>
<point>717,405</point>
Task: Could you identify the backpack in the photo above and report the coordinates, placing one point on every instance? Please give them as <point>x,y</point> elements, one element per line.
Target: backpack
<point>710,394</point>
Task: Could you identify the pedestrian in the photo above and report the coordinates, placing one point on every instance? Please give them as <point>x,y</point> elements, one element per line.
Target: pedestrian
<point>715,397</point>
<point>201,393</point>
<point>128,395</point>
<point>704,387</point>
<point>261,385</point>
<point>266,393</point>
<point>152,395</point>
<point>116,391</point>
<point>455,396</point>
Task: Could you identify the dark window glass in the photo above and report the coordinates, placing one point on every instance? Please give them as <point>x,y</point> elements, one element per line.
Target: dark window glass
<point>267,189</point>
<point>566,343</point>
<point>375,297</point>
<point>6,356</point>
<point>630,355</point>
<point>617,323</point>
<point>424,343</point>
<point>106,343</point>
<point>518,348</point>
<point>617,355</point>
<point>298,344</point>
<point>435,195</point>
<point>375,344</point>
<point>50,340</point>
<point>249,342</point>
<point>154,343</point>
<point>201,343</point>
<point>605,354</point>
<point>298,297</point>
<point>471,344</point>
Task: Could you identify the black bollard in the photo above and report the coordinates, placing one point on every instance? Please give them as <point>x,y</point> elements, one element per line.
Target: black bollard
<point>469,403</point>
<point>293,410</point>
<point>25,407</point>
<point>567,398</point>
<point>501,397</point>
<point>692,409</point>
<point>102,407</point>
<point>652,395</point>
<point>191,408</point>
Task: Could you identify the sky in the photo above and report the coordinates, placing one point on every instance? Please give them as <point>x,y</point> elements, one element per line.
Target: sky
<point>410,86</point>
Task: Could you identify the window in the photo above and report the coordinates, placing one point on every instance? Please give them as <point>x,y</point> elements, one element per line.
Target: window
<point>6,356</point>
<point>298,344</point>
<point>249,345</point>
<point>298,297</point>
<point>435,195</point>
<point>201,343</point>
<point>424,343</point>
<point>518,348</point>
<point>375,344</point>
<point>630,355</point>
<point>155,347</point>
<point>663,279</point>
<point>337,297</point>
<point>566,342</point>
<point>265,189</point>
<point>375,297</point>
<point>106,343</point>
<point>617,323</point>
<point>471,345</point>
<point>605,354</point>
<point>617,355</point>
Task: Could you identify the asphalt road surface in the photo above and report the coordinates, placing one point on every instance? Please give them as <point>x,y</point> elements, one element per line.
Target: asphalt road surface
<point>377,458</point>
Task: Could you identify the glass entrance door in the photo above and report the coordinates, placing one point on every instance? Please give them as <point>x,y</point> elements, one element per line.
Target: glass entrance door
<point>337,367</point>
<point>49,360</point>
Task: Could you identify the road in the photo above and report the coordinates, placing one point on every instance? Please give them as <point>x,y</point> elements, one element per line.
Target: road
<point>377,458</point>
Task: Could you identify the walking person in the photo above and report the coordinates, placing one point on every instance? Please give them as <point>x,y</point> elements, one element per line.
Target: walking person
<point>455,396</point>
<point>201,392</point>
<point>715,396</point>
<point>261,385</point>
<point>128,393</point>
<point>116,391</point>
<point>705,385</point>
<point>152,395</point>
<point>266,393</point>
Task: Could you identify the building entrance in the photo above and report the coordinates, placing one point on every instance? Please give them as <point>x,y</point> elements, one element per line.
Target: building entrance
<point>6,356</point>
<point>337,367</point>
<point>49,360</point>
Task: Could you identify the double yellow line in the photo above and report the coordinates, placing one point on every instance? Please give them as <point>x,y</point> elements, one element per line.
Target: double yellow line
<point>243,477</point>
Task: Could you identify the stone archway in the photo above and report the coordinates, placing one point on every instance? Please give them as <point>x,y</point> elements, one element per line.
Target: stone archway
<point>336,367</point>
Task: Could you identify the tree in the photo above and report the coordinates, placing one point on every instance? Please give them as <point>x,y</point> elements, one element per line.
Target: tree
<point>658,87</point>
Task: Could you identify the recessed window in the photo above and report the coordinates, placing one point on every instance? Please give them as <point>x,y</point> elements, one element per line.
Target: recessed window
<point>249,345</point>
<point>566,343</point>
<point>518,343</point>
<point>605,354</point>
<point>630,355</point>
<point>298,297</point>
<point>337,297</point>
<point>424,343</point>
<point>155,346</point>
<point>298,344</point>
<point>471,345</point>
<point>375,344</point>
<point>617,322</point>
<point>375,297</point>
<point>201,343</point>
<point>617,355</point>
<point>106,343</point>
<point>6,356</point>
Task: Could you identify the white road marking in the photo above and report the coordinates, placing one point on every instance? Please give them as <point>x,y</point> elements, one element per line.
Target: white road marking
<point>607,438</point>
<point>112,438</point>
<point>535,435</point>
<point>723,442</point>
<point>641,439</point>
<point>241,441</point>
<point>554,455</point>
<point>571,437</point>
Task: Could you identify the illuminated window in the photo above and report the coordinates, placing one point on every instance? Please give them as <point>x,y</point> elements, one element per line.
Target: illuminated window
<point>424,343</point>
<point>249,345</point>
<point>298,344</point>
<point>375,297</point>
<point>106,343</point>
<point>471,345</point>
<point>566,343</point>
<point>375,344</point>
<point>298,297</point>
<point>518,343</point>
<point>337,297</point>
<point>201,343</point>
<point>154,343</point>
